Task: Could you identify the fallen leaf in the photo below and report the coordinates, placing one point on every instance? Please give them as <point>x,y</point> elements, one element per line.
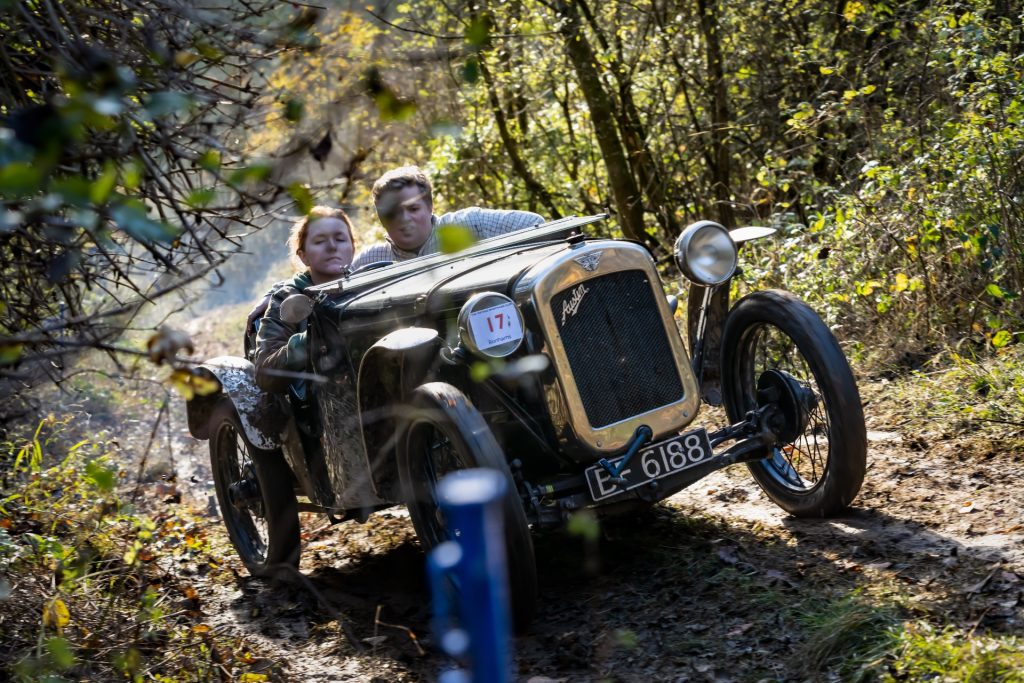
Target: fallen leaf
<point>56,614</point>
<point>728,554</point>
<point>165,344</point>
<point>740,630</point>
<point>201,628</point>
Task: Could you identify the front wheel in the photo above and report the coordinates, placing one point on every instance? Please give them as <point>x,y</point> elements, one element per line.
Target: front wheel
<point>775,349</point>
<point>256,497</point>
<point>444,433</point>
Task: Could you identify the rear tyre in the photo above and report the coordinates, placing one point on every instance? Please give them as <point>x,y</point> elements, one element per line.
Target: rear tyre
<point>444,433</point>
<point>775,349</point>
<point>256,497</point>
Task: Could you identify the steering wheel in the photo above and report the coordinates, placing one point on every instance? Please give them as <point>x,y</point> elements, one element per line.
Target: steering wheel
<point>370,266</point>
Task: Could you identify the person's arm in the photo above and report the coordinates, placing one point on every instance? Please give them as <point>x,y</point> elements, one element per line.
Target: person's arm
<point>372,254</point>
<point>491,222</point>
<point>281,348</point>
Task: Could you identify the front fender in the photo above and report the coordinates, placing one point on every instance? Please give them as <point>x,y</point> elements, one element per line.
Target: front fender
<point>393,367</point>
<point>259,412</point>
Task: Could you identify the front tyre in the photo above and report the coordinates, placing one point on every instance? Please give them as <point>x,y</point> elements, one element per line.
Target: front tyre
<point>775,349</point>
<point>443,433</point>
<point>256,497</point>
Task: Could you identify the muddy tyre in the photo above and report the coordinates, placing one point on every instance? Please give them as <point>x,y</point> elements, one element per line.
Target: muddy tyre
<point>775,349</point>
<point>256,497</point>
<point>443,433</point>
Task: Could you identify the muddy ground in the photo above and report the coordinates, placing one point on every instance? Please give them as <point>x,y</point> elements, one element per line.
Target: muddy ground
<point>715,584</point>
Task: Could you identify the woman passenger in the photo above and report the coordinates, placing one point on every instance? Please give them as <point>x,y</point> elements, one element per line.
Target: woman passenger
<point>321,245</point>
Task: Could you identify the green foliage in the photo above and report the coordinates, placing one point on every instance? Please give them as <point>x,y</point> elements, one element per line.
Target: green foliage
<point>928,653</point>
<point>83,595</point>
<point>883,141</point>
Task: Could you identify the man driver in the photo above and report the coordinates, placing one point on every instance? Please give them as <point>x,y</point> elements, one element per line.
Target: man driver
<point>403,198</point>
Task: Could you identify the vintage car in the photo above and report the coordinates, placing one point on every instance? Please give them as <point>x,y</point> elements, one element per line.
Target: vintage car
<point>551,356</point>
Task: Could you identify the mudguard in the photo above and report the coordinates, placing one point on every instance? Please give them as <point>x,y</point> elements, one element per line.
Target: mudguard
<point>390,369</point>
<point>260,413</point>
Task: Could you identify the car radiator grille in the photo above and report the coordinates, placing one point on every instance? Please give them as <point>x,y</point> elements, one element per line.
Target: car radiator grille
<point>617,346</point>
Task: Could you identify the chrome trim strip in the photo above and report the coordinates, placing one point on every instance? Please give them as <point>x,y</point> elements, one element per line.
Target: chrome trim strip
<point>564,269</point>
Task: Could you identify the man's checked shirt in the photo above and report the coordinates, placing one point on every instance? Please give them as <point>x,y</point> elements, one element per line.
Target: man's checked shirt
<point>483,222</point>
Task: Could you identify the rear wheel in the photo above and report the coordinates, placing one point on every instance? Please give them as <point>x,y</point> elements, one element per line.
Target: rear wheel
<point>255,495</point>
<point>444,433</point>
<point>775,349</point>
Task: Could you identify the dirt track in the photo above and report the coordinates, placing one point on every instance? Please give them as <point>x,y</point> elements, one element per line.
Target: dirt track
<point>716,584</point>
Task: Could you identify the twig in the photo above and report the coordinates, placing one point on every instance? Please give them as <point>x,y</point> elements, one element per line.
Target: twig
<point>408,631</point>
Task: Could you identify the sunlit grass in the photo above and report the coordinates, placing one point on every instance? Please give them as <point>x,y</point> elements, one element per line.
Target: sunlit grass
<point>924,653</point>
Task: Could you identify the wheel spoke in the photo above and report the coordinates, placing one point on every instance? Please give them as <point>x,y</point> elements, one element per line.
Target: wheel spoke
<point>801,463</point>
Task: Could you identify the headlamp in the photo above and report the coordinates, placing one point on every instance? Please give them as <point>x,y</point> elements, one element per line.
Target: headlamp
<point>706,253</point>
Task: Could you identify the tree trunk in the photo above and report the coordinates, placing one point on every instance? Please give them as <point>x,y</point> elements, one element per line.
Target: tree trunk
<point>720,170</point>
<point>625,193</point>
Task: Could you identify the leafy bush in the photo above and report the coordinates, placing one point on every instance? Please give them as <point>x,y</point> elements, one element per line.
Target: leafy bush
<point>83,595</point>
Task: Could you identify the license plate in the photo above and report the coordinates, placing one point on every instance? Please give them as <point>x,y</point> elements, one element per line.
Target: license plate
<point>653,462</point>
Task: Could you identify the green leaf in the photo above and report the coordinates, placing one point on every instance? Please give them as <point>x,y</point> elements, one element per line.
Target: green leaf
<point>101,476</point>
<point>584,524</point>
<point>200,198</point>
<point>478,33</point>
<point>294,110</point>
<point>302,196</point>
<point>104,185</point>
<point>20,179</point>
<point>210,160</point>
<point>167,102</point>
<point>131,174</point>
<point>249,174</point>
<point>391,107</point>
<point>471,70</point>
<point>1002,338</point>
<point>74,189</point>
<point>131,217</point>
<point>995,290</point>
<point>9,353</point>
<point>454,238</point>
<point>60,651</point>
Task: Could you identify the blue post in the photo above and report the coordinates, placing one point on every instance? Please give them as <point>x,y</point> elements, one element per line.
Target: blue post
<point>470,570</point>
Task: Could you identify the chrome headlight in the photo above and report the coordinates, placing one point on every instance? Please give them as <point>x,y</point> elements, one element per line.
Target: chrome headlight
<point>706,253</point>
<point>490,325</point>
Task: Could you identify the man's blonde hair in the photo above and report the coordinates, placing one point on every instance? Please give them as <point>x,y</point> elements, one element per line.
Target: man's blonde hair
<point>297,236</point>
<point>402,177</point>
